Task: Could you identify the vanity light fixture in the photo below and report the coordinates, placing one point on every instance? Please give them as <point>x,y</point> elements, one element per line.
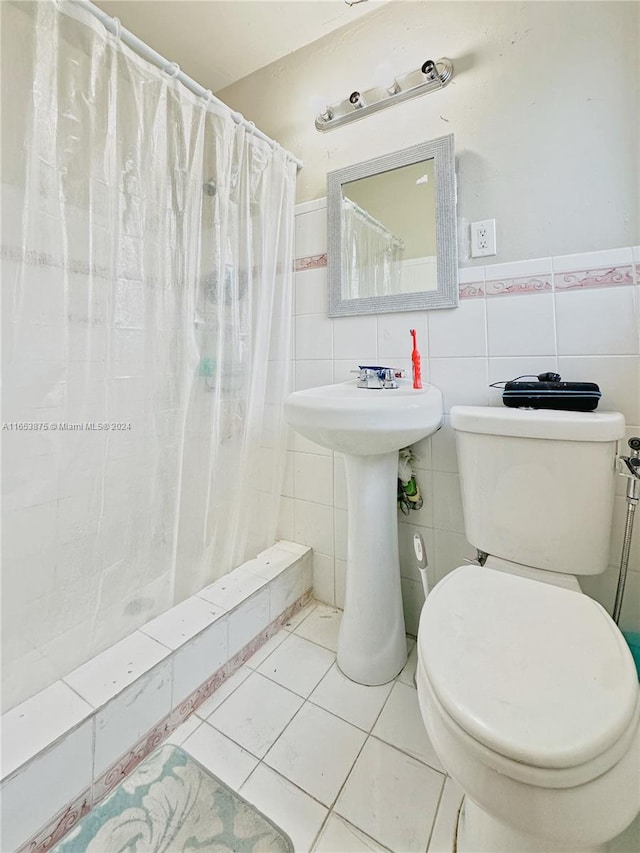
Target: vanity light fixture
<point>390,90</point>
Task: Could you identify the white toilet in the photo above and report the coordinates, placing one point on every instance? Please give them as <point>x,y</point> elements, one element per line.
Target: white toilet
<point>527,689</point>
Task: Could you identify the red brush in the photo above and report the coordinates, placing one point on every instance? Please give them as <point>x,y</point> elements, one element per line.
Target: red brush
<point>415,358</point>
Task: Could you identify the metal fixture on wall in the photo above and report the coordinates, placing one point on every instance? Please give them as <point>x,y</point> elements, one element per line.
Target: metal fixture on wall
<point>390,90</point>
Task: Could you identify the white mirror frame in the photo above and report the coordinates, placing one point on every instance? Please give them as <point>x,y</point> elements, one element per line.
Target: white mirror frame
<point>439,150</point>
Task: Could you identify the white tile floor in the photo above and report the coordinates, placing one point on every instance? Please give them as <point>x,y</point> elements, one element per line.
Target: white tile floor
<point>340,767</point>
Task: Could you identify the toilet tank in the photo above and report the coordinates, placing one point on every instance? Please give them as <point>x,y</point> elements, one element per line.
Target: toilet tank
<point>538,486</point>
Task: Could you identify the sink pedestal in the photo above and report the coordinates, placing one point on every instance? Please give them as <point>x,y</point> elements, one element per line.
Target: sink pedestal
<point>369,427</point>
<point>372,647</point>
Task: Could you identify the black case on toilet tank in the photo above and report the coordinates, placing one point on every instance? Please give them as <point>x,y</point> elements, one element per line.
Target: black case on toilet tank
<point>570,396</point>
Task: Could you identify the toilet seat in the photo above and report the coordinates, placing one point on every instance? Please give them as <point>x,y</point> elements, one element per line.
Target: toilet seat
<point>537,676</point>
<point>539,777</point>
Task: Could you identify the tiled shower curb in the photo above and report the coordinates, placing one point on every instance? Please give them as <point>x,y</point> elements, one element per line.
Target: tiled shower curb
<point>103,783</point>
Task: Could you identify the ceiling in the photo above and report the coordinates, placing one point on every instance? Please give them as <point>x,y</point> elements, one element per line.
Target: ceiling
<point>220,41</point>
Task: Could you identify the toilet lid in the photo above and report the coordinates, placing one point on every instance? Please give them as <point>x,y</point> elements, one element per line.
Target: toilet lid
<point>537,673</point>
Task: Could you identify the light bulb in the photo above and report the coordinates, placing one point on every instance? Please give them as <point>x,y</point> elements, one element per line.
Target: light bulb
<point>318,105</point>
<point>429,69</point>
<point>385,78</point>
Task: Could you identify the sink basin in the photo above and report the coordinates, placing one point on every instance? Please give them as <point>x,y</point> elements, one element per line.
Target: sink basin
<point>369,427</point>
<point>363,421</point>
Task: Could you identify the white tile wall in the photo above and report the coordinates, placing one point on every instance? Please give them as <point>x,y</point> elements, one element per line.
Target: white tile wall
<point>38,722</point>
<point>43,787</point>
<point>124,720</point>
<point>516,328</point>
<point>355,338</point>
<point>310,292</point>
<point>310,373</point>
<point>313,478</point>
<point>287,588</point>
<point>458,332</point>
<point>594,260</point>
<point>538,316</point>
<point>177,625</point>
<point>198,658</point>
<point>462,381</point>
<point>607,322</point>
<point>313,337</point>
<point>107,674</point>
<point>232,589</point>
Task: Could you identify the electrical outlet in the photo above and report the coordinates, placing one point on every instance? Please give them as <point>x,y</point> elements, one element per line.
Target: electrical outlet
<point>483,238</point>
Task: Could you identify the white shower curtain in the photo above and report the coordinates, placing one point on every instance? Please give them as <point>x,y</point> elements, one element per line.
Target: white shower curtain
<point>147,255</point>
<point>371,254</point>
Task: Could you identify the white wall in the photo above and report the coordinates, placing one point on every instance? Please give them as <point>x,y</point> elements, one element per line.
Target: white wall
<point>543,105</point>
<point>574,314</point>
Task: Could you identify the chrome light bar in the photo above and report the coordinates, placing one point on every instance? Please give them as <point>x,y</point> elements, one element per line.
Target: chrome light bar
<point>428,78</point>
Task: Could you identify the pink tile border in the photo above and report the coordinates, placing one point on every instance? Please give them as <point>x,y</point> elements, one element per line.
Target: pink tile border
<point>521,285</point>
<point>67,818</point>
<point>61,824</point>
<point>472,290</point>
<point>573,280</point>
<point>599,277</point>
<point>313,262</point>
<point>104,784</point>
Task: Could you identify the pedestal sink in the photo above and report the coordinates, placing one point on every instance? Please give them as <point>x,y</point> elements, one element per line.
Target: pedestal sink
<point>369,427</point>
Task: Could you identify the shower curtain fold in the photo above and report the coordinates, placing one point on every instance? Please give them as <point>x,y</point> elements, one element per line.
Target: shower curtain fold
<point>371,254</point>
<point>146,335</point>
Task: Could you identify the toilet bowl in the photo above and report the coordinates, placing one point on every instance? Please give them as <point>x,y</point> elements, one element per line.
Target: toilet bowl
<point>527,689</point>
<point>540,729</point>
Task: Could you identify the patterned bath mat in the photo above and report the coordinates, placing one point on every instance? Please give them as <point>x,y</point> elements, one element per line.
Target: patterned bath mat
<point>171,804</point>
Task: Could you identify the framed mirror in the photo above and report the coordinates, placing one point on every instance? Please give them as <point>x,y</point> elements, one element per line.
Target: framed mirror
<point>392,232</point>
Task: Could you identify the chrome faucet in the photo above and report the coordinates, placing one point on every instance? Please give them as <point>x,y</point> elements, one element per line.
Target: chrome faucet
<point>378,377</point>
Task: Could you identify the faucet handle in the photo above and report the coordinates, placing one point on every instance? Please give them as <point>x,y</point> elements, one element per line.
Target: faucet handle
<point>370,376</point>
<point>629,467</point>
<point>389,376</point>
